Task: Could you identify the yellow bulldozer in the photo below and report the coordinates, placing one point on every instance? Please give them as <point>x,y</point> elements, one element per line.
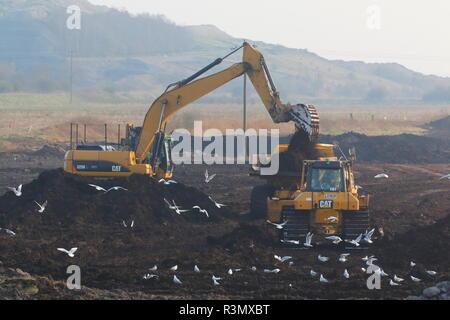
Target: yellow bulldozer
<point>322,199</point>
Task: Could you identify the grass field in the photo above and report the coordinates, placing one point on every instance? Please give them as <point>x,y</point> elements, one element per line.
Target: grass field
<point>31,117</point>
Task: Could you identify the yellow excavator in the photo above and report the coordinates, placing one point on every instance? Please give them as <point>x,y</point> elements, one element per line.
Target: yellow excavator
<point>147,148</point>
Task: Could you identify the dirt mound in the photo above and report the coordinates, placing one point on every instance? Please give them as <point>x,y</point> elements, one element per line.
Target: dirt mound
<point>404,148</point>
<point>428,244</point>
<point>300,148</point>
<point>72,202</point>
<point>439,128</point>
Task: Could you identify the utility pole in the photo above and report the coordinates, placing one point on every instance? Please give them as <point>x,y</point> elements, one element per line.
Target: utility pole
<point>71,75</point>
<point>244,115</point>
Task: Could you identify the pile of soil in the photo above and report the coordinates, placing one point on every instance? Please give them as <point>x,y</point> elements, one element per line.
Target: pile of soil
<point>403,148</point>
<point>48,151</point>
<point>300,148</point>
<point>72,202</point>
<point>439,128</point>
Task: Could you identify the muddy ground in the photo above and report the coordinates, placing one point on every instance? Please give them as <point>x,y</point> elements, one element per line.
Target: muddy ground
<point>412,207</point>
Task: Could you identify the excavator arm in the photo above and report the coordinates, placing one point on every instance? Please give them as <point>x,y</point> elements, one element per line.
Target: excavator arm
<point>180,94</point>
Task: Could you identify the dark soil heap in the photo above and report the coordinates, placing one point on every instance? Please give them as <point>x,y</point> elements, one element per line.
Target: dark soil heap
<point>300,148</point>
<point>71,201</point>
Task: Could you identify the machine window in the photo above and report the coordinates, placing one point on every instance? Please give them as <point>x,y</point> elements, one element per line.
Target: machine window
<point>326,180</point>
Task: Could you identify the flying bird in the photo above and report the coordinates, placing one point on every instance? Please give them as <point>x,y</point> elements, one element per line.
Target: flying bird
<point>230,272</point>
<point>368,236</point>
<point>381,175</point>
<point>154,268</point>
<point>215,282</point>
<point>431,272</point>
<point>98,188</point>
<point>201,210</point>
<point>150,276</point>
<point>208,177</point>
<point>174,268</point>
<point>132,224</point>
<point>196,269</point>
<point>253,268</point>
<point>322,278</point>
<point>124,223</point>
<point>447,176</point>
<point>277,225</point>
<point>322,258</point>
<point>176,280</point>
<point>370,261</point>
<point>17,191</point>
<point>313,273</point>
<point>216,278</point>
<point>70,253</point>
<point>412,263</point>
<point>167,181</point>
<point>356,241</point>
<point>307,242</point>
<point>41,206</point>
<point>218,205</point>
<point>334,239</point>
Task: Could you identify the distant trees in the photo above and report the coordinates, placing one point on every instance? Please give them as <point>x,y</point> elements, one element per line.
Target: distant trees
<point>376,94</point>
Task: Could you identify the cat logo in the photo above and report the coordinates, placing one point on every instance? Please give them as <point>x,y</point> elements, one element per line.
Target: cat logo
<point>325,204</point>
<point>116,168</point>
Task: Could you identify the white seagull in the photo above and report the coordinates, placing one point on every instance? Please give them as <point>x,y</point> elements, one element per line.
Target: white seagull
<point>398,279</point>
<point>412,263</point>
<point>277,225</point>
<point>343,257</point>
<point>447,176</point>
<point>150,276</point>
<point>70,252</point>
<point>253,268</point>
<point>218,205</point>
<point>41,206</point>
<point>334,239</point>
<point>176,280</point>
<point>332,219</point>
<point>167,181</point>
<point>216,278</point>
<point>98,188</point>
<point>313,273</point>
<point>10,232</point>
<point>201,210</point>
<point>230,272</point>
<point>215,282</point>
<point>322,258</point>
<point>381,175</point>
<point>415,279</point>
<point>307,242</point>
<point>356,241</point>
<point>297,242</point>
<point>196,269</point>
<point>17,191</point>
<point>154,268</point>
<point>431,272</point>
<point>174,268</point>
<point>370,261</point>
<point>282,259</point>
<point>322,278</point>
<point>392,283</point>
<point>272,271</point>
<point>208,177</point>
<point>346,274</point>
<point>368,235</point>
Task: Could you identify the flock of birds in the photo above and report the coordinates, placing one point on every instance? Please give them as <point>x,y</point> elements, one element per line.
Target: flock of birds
<point>343,258</point>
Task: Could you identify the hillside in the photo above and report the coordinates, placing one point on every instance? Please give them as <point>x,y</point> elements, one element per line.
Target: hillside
<point>116,51</point>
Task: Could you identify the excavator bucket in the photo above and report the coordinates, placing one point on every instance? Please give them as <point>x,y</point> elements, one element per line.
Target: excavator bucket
<point>306,119</point>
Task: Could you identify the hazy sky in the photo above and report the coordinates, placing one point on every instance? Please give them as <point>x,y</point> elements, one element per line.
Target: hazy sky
<point>415,33</point>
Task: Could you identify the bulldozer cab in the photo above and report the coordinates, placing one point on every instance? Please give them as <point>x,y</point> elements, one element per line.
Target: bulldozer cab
<point>326,176</point>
